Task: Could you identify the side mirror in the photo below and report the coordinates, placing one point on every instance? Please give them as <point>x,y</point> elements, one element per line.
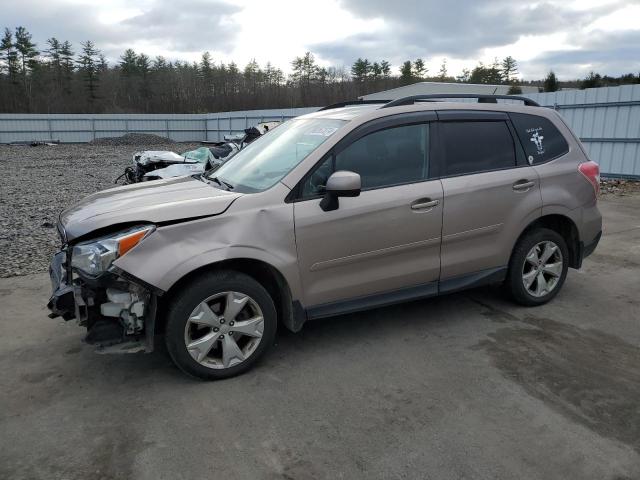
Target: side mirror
<point>340,184</point>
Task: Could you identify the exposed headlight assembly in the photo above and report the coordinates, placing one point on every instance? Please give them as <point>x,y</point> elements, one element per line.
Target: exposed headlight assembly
<point>96,256</point>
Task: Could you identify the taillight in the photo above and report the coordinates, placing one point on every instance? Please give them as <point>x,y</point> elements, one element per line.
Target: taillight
<point>591,171</point>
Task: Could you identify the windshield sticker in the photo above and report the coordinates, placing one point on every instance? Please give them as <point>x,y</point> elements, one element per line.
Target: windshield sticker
<point>323,131</point>
<point>536,138</point>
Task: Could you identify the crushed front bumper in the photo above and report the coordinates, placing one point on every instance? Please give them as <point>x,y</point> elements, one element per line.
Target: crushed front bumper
<point>61,302</point>
<point>119,313</point>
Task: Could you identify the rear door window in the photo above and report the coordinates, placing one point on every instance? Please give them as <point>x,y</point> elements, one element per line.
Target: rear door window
<point>477,146</point>
<point>541,140</point>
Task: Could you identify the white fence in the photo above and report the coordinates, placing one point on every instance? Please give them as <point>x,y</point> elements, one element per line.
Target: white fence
<point>607,120</point>
<point>78,128</point>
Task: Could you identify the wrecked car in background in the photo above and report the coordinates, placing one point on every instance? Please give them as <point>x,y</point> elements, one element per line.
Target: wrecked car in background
<point>159,164</point>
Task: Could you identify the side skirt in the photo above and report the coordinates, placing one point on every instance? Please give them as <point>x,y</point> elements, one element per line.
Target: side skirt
<point>473,280</point>
<point>426,290</point>
<point>373,301</point>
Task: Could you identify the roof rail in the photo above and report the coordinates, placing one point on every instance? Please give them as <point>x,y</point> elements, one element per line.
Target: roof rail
<point>352,102</point>
<point>482,98</point>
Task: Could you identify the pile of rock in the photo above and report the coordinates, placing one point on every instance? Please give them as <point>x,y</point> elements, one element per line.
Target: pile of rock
<point>140,139</point>
<point>618,186</point>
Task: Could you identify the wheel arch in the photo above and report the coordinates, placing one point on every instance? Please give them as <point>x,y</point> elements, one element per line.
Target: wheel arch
<point>290,312</point>
<point>564,226</point>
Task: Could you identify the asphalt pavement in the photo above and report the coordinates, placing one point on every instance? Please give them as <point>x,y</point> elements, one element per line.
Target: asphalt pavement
<point>467,386</point>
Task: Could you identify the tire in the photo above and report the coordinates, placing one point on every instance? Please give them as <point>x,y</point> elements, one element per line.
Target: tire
<point>196,316</point>
<point>525,266</point>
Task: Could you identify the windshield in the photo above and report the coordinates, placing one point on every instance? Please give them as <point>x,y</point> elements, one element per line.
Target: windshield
<point>263,163</point>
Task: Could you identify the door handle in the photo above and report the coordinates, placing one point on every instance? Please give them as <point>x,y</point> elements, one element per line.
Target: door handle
<point>523,186</point>
<point>424,204</point>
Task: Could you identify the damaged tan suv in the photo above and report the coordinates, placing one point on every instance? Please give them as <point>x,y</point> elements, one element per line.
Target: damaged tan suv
<point>355,206</point>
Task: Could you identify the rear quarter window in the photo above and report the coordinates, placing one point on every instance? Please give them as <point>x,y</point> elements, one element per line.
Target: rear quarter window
<point>540,138</point>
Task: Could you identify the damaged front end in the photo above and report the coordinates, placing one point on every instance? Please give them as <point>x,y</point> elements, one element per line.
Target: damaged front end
<point>117,310</point>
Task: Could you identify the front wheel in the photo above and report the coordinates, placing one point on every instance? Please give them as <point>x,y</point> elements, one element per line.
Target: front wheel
<point>538,267</point>
<point>219,325</point>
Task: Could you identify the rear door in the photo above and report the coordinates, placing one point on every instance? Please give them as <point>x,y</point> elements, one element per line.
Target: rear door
<point>387,240</point>
<point>490,195</point>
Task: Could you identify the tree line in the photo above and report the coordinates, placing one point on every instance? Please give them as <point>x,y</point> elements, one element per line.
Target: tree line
<point>62,78</point>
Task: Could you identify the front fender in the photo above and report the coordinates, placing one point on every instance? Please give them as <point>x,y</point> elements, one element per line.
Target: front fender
<point>173,251</point>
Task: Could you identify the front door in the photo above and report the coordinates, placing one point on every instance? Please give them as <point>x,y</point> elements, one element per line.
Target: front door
<point>384,243</point>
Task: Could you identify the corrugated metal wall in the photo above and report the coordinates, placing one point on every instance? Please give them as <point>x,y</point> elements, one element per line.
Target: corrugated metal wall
<point>78,128</point>
<point>607,120</point>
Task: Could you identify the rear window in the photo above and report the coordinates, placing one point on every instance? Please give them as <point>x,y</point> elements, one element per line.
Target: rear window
<point>540,138</point>
<point>473,147</point>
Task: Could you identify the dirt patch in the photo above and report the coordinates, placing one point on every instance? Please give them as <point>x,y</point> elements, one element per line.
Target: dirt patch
<point>587,375</point>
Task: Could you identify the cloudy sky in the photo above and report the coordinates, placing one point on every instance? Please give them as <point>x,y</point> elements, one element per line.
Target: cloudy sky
<point>571,37</point>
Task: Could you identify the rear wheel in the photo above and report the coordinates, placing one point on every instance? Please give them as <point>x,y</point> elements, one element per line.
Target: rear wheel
<point>538,267</point>
<point>219,325</point>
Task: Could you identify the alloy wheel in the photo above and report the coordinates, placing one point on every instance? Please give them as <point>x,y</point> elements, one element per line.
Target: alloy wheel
<point>542,268</point>
<point>224,330</point>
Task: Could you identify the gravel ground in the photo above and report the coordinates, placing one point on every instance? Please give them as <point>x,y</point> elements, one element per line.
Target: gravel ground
<point>39,182</point>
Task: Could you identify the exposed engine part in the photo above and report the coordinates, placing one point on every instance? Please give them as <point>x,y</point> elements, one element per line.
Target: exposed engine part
<point>104,332</point>
<point>129,307</point>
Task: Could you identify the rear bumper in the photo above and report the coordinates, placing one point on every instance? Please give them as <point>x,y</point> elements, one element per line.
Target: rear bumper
<point>588,248</point>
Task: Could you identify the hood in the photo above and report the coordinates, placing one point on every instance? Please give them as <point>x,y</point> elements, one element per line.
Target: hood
<point>176,170</point>
<point>156,201</point>
<point>154,156</point>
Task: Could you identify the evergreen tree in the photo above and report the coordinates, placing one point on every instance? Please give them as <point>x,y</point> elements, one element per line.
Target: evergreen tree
<point>490,75</point>
<point>53,54</point>
<point>406,73</point>
<point>361,70</point>
<point>27,53</point>
<point>386,68</point>
<point>66,58</point>
<point>206,72</point>
<point>143,68</point>
<point>376,71</point>
<point>494,73</point>
<point>465,76</point>
<point>509,69</point>
<point>442,74</point>
<point>551,82</point>
<point>88,67</point>
<point>593,80</point>
<point>252,76</point>
<point>419,69</point>
<point>129,63</point>
<point>67,65</point>
<point>9,55</point>
<point>304,69</point>
<point>103,65</point>
<point>160,63</point>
